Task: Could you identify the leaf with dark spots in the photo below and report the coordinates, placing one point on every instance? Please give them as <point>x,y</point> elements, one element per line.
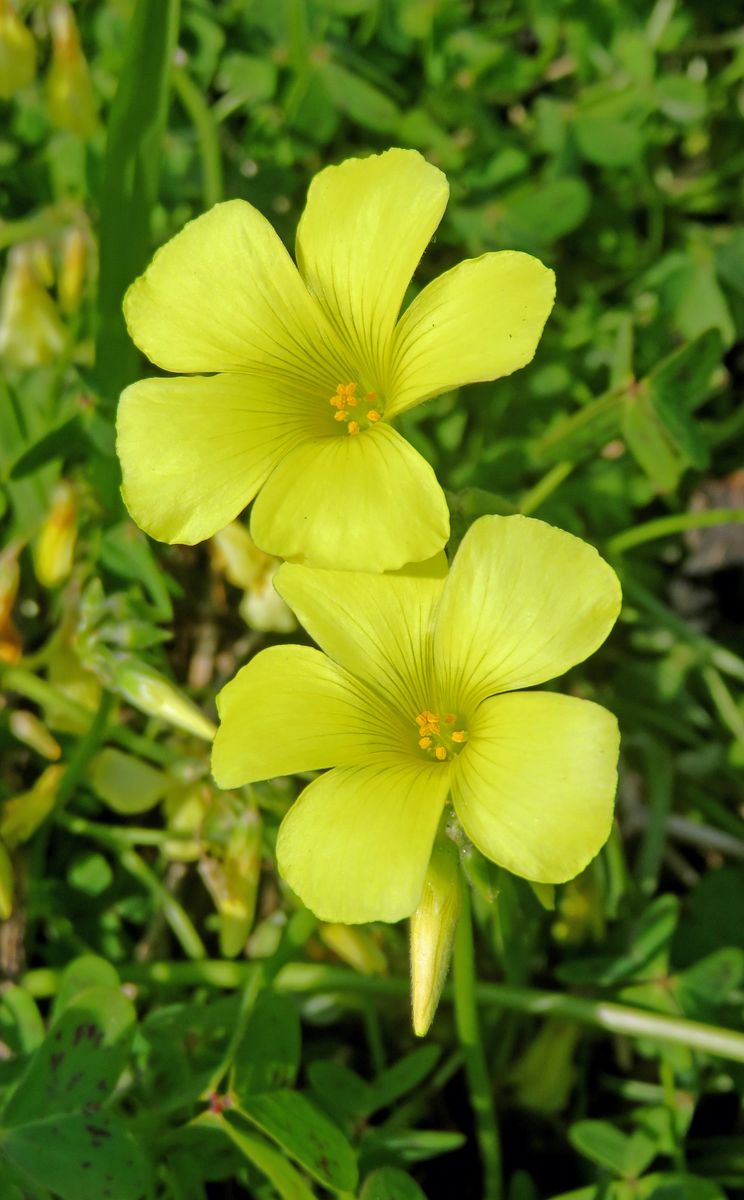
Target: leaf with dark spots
<point>269,1053</point>
<point>87,1045</point>
<point>76,1158</point>
<point>306,1135</point>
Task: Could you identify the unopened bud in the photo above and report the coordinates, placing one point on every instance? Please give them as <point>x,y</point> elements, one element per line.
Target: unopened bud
<point>233,884</point>
<point>21,816</point>
<point>71,279</point>
<point>68,675</point>
<point>355,946</point>
<point>6,883</point>
<point>152,693</point>
<point>263,609</point>
<point>244,565</point>
<point>69,91</point>
<point>544,1074</point>
<point>31,330</point>
<point>29,729</point>
<point>54,551</point>
<point>10,575</point>
<point>17,52</point>
<point>432,933</point>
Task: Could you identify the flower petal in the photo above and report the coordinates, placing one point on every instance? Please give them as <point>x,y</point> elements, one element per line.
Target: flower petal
<point>368,502</point>
<point>356,845</point>
<point>224,295</point>
<point>366,224</point>
<point>479,321</point>
<point>291,709</point>
<point>535,785</point>
<point>523,602</point>
<point>195,449</point>
<point>376,626</point>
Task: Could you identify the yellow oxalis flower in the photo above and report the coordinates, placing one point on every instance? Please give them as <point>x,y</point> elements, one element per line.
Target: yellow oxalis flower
<point>292,378</point>
<point>420,696</point>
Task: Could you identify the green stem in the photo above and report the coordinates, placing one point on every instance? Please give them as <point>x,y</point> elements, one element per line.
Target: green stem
<point>471,1044</point>
<point>180,922</point>
<point>675,523</point>
<point>206,131</point>
<point>307,979</point>
<point>544,487</point>
<point>115,836</point>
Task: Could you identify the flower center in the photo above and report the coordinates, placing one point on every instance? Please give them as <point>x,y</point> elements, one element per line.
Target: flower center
<point>440,737</point>
<point>355,412</point>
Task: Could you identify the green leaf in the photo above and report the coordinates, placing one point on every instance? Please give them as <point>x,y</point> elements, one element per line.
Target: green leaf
<point>388,1183</point>
<point>607,141</point>
<point>60,443</point>
<point>78,1064</point>
<point>360,100</point>
<point>340,1091</point>
<point>268,1056</point>
<point>713,981</point>
<point>306,1135</point>
<point>134,148</point>
<point>404,1075</point>
<point>609,1148</point>
<point>274,1166</point>
<point>81,1156</point>
<point>683,378</point>
<point>125,783</point>
<point>27,1028</point>
<point>88,971</point>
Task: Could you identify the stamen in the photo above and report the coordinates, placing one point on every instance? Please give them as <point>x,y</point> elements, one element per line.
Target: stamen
<point>450,718</point>
<point>424,743</point>
<point>353,427</point>
<point>440,753</point>
<point>459,735</point>
<point>371,397</point>
<point>373,415</point>
<point>341,416</point>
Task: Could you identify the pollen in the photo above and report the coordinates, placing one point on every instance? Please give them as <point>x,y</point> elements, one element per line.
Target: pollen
<point>434,736</point>
<point>347,396</point>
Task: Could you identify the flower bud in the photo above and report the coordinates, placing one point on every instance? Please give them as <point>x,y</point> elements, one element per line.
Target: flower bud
<point>6,883</point>
<point>355,946</point>
<point>69,91</point>
<point>31,330</point>
<point>17,52</point>
<point>186,807</point>
<point>544,1075</point>
<point>10,575</point>
<point>21,816</point>
<point>152,693</point>
<point>54,551</point>
<point>432,933</point>
<point>29,729</point>
<point>244,565</point>
<point>72,268</point>
<point>67,674</point>
<point>233,883</point>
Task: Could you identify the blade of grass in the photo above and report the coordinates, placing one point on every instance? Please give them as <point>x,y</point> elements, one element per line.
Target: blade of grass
<point>130,181</point>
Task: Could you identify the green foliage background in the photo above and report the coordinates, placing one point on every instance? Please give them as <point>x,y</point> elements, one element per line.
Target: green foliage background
<point>607,139</point>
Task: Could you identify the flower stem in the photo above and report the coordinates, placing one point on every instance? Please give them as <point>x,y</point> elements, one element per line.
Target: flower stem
<point>476,1072</point>
<point>675,523</point>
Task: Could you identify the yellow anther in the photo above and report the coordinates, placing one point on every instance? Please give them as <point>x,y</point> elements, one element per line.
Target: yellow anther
<point>353,427</point>
<point>337,401</point>
<point>370,397</point>
<point>373,415</point>
<point>341,416</point>
<point>459,735</point>
<point>450,718</point>
<point>440,753</point>
<point>424,743</point>
<point>421,719</point>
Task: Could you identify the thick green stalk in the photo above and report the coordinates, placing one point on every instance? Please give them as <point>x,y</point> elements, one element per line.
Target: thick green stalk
<point>471,1044</point>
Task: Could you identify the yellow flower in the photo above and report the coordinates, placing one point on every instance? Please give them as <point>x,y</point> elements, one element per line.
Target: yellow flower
<point>420,697</point>
<point>293,378</point>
